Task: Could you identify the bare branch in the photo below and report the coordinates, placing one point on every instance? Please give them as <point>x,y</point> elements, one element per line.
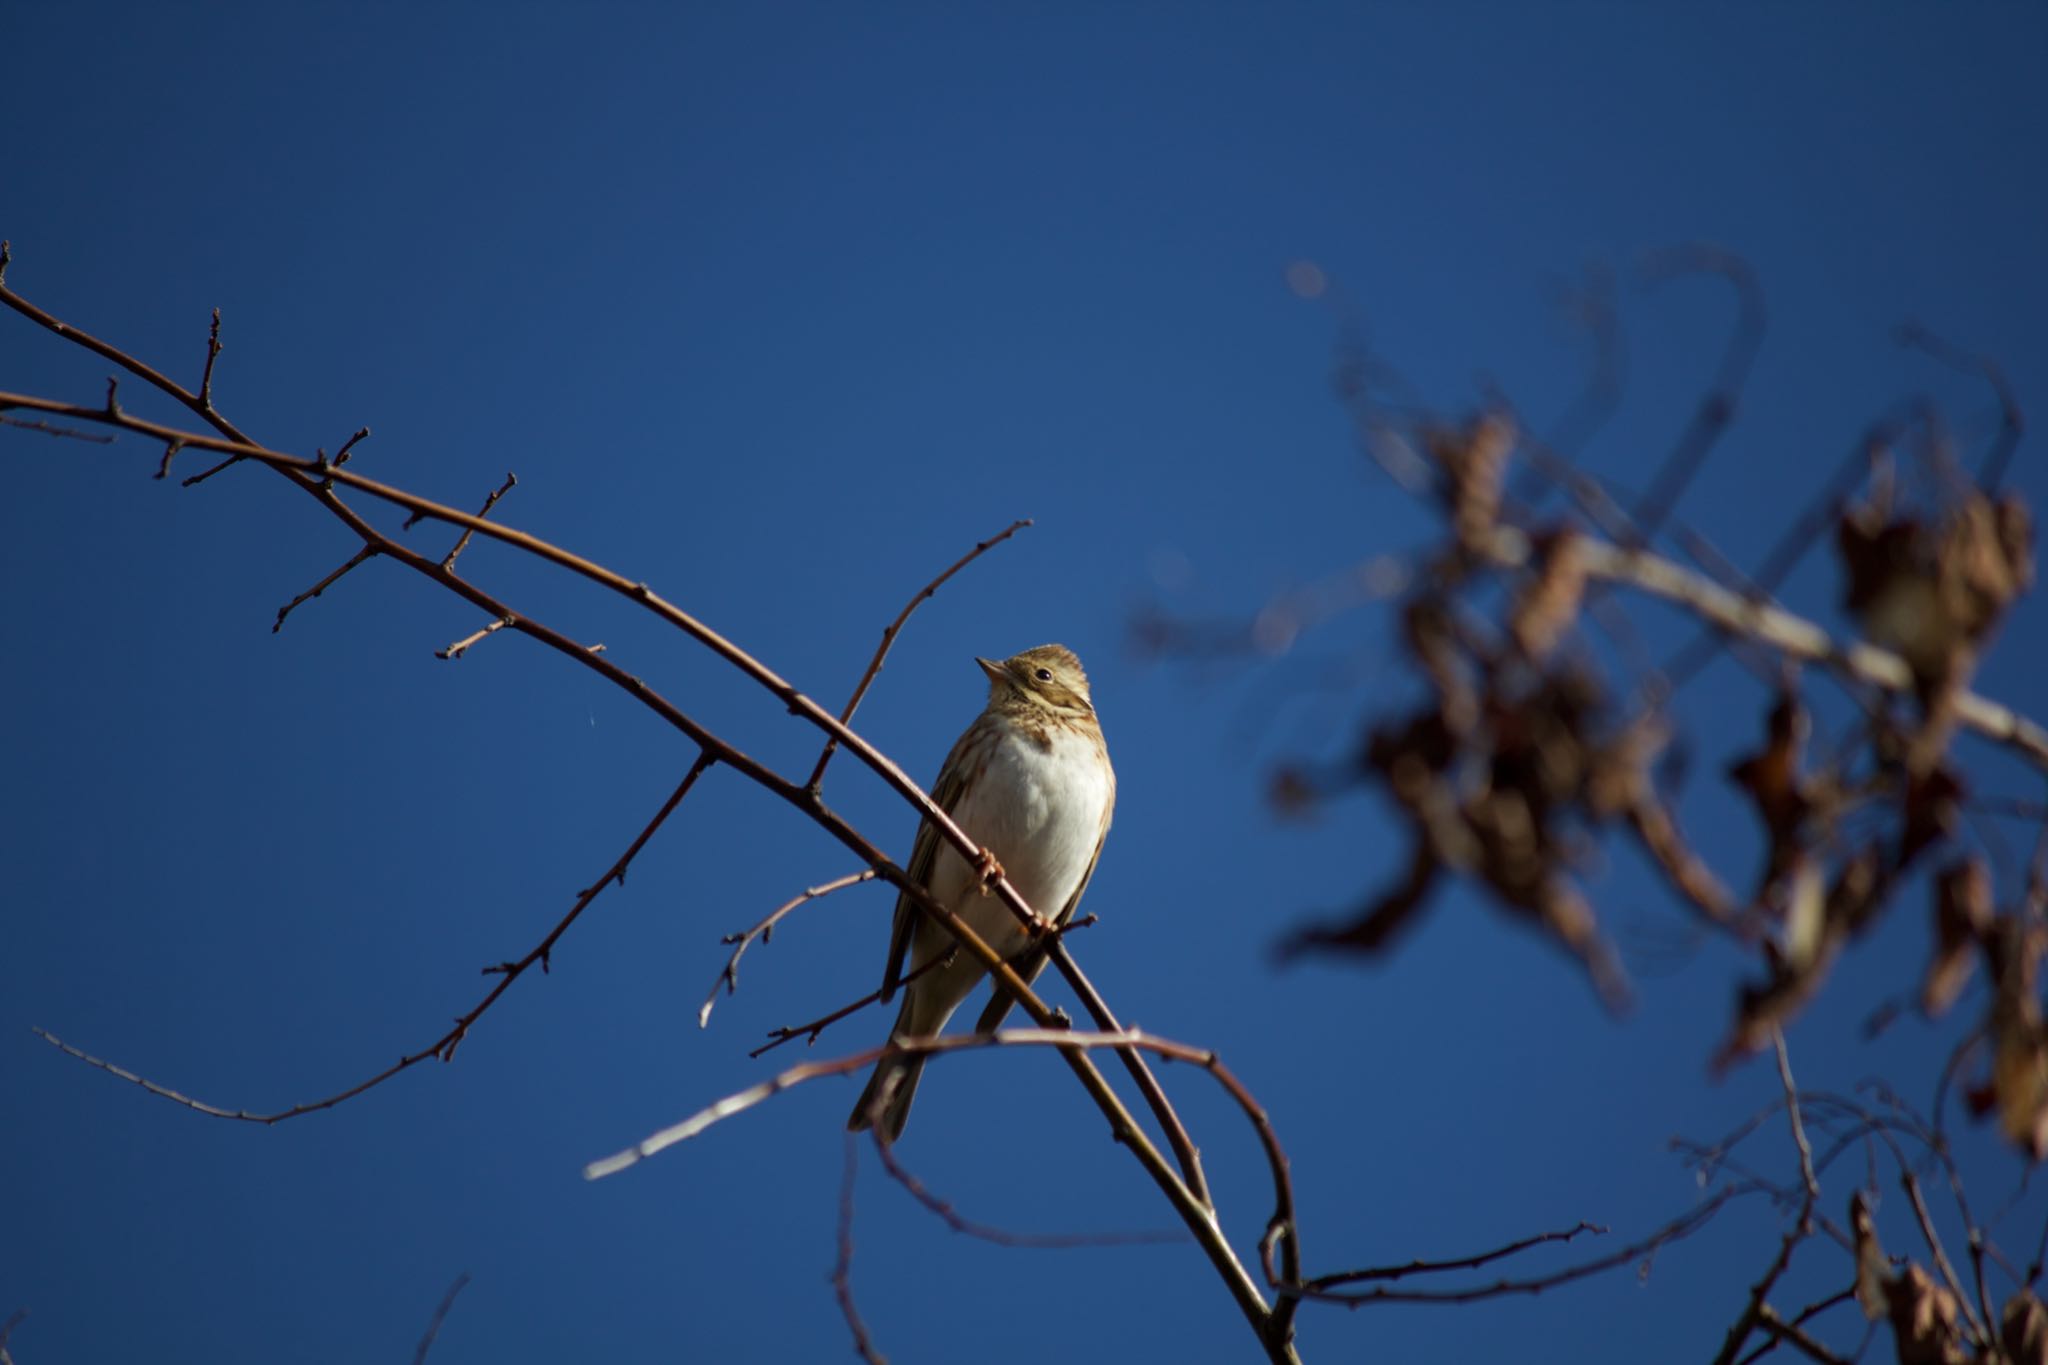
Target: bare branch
<point>444,1046</point>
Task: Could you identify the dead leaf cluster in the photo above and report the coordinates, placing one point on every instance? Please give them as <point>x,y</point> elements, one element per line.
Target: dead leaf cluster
<point>1930,1325</point>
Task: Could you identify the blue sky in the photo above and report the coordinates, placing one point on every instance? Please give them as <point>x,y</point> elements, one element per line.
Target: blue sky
<point>780,310</point>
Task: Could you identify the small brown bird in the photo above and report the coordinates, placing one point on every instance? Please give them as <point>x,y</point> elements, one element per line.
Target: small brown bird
<point>1031,783</point>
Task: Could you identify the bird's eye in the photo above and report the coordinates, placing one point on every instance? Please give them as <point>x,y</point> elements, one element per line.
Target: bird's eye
<point>1045,675</point>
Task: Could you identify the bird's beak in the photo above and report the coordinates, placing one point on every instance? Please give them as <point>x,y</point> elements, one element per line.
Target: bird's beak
<point>995,671</point>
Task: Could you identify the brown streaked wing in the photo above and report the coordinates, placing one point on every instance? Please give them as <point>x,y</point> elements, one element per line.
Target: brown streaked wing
<point>924,852</point>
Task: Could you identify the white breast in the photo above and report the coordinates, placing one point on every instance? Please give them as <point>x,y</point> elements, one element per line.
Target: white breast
<point>1039,811</point>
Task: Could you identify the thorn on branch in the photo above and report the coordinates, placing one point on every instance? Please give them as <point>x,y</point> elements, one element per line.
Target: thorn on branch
<point>448,563</point>
<point>171,450</point>
<point>113,402</point>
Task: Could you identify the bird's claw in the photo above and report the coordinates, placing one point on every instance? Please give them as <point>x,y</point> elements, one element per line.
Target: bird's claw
<point>989,871</point>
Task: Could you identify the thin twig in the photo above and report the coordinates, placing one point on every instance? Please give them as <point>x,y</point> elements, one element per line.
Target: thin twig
<point>889,634</point>
<point>65,433</point>
<point>842,1264</point>
<point>1978,1329</point>
<point>462,646</point>
<point>1798,1127</point>
<point>1421,1267</point>
<point>2011,423</point>
<point>341,456</point>
<point>1768,1319</point>
<point>203,475</point>
<point>1064,1040</point>
<point>1717,407</point>
<point>366,553</point>
<point>1678,1228</point>
<point>729,976</point>
<point>448,561</point>
<point>419,1356</point>
<point>213,349</point>
<point>810,1031</point>
<point>1798,1319</point>
<point>988,1232</point>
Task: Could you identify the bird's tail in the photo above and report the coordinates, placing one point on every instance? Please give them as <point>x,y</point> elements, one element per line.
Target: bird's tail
<point>891,1089</point>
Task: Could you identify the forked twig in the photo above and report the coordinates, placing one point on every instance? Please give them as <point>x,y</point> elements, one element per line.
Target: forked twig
<point>729,975</point>
<point>810,1031</point>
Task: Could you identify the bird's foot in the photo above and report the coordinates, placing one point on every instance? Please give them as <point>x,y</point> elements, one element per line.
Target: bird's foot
<point>989,871</point>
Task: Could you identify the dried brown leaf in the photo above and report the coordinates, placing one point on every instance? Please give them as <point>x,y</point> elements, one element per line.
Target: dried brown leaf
<point>1962,916</point>
<point>1926,1320</point>
<point>1549,601</point>
<point>1475,458</point>
<point>2023,1329</point>
<point>1782,796</point>
<point>1873,1271</point>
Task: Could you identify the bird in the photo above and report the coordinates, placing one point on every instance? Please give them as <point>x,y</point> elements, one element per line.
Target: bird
<point>1030,782</point>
